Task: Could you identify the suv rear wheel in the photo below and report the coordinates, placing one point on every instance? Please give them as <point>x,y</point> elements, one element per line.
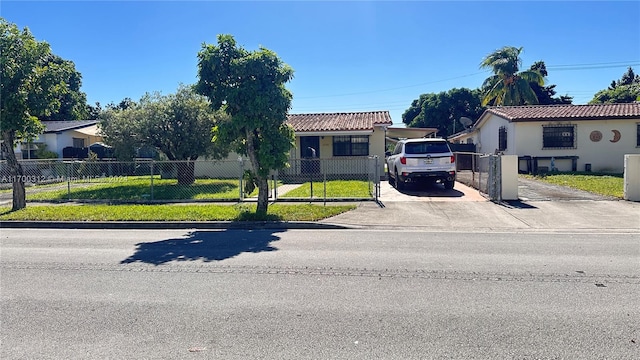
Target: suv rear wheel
<point>399,183</point>
<point>449,184</point>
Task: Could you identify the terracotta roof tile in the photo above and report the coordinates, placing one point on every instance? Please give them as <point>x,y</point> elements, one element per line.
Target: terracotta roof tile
<point>568,112</point>
<point>338,121</point>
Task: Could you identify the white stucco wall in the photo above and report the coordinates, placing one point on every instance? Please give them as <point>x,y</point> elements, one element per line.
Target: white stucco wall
<point>603,155</point>
<point>487,136</point>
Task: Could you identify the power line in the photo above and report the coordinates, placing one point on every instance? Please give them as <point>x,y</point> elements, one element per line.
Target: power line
<point>392,89</point>
<point>590,67</point>
<point>562,67</point>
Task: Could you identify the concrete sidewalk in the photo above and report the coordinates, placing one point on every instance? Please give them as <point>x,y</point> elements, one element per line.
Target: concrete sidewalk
<point>485,216</point>
<point>464,216</point>
<point>462,209</point>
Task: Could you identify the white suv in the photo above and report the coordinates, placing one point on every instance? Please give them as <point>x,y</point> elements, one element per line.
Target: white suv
<point>421,160</point>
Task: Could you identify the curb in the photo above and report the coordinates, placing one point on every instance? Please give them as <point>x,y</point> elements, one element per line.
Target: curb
<point>246,225</point>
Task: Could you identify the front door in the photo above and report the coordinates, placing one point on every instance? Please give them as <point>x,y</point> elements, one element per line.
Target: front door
<point>310,154</point>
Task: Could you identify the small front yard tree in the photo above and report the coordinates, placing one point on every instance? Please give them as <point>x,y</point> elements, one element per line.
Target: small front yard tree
<point>34,84</point>
<point>249,87</point>
<point>177,125</point>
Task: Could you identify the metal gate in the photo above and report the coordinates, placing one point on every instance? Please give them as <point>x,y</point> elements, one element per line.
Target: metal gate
<point>482,172</point>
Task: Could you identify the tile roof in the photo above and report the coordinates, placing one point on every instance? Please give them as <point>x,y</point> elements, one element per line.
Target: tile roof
<point>567,112</point>
<point>56,126</point>
<point>338,121</point>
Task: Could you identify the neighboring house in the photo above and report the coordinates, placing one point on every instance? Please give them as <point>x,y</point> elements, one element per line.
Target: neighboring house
<point>562,137</point>
<point>59,135</point>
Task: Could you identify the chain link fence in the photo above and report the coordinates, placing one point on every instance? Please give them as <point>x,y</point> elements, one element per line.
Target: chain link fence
<point>146,180</point>
<point>480,171</point>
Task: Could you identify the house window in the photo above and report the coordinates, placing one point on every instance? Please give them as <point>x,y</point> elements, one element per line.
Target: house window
<point>558,136</point>
<point>502,138</point>
<point>78,143</point>
<point>351,145</point>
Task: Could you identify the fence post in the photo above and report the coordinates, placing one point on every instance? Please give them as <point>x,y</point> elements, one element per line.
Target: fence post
<point>376,178</point>
<point>324,194</point>
<point>311,183</point>
<point>68,182</point>
<point>152,163</point>
<point>241,175</point>
<point>274,177</point>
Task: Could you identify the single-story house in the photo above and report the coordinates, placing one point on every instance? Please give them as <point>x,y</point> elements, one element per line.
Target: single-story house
<point>559,137</point>
<point>340,135</point>
<point>59,135</point>
<point>349,136</point>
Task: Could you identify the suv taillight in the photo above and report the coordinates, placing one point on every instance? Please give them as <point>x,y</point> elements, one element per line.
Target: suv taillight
<point>453,159</point>
<point>403,160</point>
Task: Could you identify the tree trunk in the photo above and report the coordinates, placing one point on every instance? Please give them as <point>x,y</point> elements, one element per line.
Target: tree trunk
<point>16,175</point>
<point>263,184</point>
<point>186,173</point>
<point>263,194</point>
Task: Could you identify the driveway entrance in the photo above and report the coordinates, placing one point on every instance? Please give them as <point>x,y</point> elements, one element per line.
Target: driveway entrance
<point>528,190</point>
<point>435,192</point>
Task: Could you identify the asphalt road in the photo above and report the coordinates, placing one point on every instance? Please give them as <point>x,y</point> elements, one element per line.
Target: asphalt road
<point>321,294</point>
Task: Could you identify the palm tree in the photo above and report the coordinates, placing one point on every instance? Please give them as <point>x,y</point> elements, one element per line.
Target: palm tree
<point>508,86</point>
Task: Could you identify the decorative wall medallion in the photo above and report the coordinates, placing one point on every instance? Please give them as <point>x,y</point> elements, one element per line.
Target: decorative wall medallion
<point>595,136</point>
<point>616,136</point>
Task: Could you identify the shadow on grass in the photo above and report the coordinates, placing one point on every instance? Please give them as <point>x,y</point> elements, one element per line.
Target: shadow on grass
<point>204,246</point>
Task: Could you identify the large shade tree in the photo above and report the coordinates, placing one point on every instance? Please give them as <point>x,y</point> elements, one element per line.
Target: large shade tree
<point>71,102</point>
<point>546,94</point>
<point>624,90</point>
<point>250,87</point>
<point>508,85</point>
<point>444,110</point>
<point>35,84</point>
<point>177,125</point>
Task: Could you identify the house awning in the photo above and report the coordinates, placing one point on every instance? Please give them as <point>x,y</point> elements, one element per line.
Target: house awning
<point>89,130</point>
<point>409,133</point>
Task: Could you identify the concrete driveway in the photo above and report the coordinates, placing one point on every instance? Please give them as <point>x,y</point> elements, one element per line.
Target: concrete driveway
<point>546,208</point>
<point>435,192</point>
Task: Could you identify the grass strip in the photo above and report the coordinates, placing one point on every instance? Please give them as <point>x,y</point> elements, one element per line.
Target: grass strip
<point>355,189</point>
<point>603,184</point>
<point>165,212</point>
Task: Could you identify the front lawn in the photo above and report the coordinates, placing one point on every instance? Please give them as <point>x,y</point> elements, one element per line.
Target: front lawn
<point>348,189</point>
<point>165,212</point>
<point>137,188</point>
<point>603,184</point>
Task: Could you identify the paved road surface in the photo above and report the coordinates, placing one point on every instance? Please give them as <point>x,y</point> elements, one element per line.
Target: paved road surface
<point>348,294</point>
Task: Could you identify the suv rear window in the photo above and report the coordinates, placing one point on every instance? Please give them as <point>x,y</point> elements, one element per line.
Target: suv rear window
<point>426,148</point>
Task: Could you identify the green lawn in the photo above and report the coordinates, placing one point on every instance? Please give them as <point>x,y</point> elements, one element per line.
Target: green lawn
<point>353,189</point>
<point>165,212</point>
<point>138,188</point>
<point>603,184</point>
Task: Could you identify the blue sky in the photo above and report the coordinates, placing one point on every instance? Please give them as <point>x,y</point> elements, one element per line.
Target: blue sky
<point>347,56</point>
